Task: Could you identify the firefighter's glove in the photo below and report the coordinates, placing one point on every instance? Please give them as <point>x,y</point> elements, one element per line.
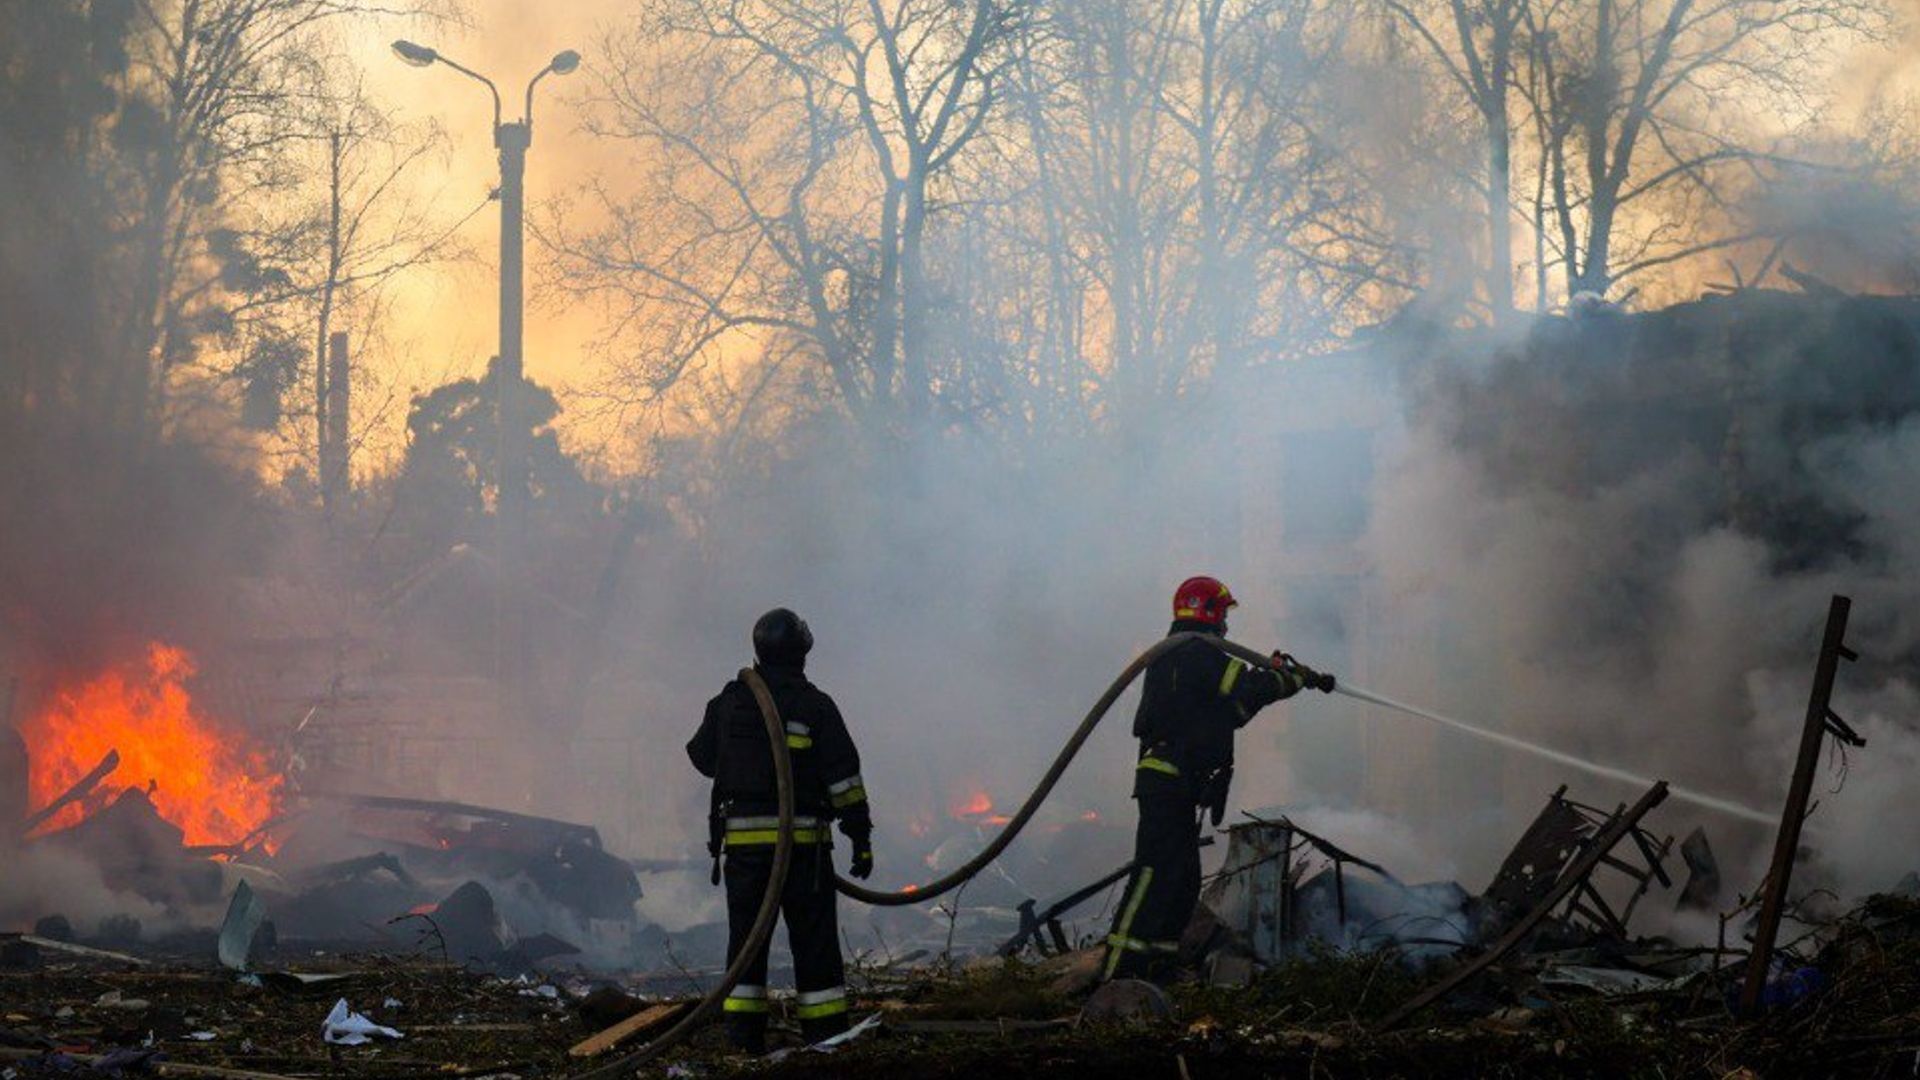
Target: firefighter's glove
<point>1308,678</point>
<point>862,867</point>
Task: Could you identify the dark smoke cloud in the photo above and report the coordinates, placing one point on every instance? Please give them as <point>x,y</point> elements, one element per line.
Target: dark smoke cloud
<point>1637,521</point>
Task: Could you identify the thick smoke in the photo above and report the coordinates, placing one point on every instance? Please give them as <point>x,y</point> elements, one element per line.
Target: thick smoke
<point>1614,535</point>
<point>43,880</point>
<point>1637,523</point>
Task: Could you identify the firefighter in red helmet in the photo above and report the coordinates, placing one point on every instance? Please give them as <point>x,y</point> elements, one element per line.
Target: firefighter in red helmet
<point>1196,697</point>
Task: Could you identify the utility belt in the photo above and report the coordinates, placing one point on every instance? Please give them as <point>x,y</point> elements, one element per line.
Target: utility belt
<point>761,832</point>
<point>1209,790</point>
<point>729,830</point>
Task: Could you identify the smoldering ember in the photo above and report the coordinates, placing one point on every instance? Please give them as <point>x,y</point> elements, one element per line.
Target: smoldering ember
<point>1166,538</point>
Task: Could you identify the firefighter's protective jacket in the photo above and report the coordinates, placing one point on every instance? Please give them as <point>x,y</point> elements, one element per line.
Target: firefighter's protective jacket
<point>731,748</point>
<point>1196,697</point>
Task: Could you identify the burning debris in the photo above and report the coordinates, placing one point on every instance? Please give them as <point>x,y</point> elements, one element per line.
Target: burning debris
<point>209,780</point>
<point>555,873</point>
<point>1371,974</point>
<point>437,885</point>
<point>1284,891</point>
<point>179,812</point>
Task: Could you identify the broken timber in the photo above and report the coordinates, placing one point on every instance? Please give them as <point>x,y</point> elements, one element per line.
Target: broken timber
<point>1336,855</point>
<point>76,950</point>
<point>1049,920</point>
<point>1538,861</point>
<point>1616,829</point>
<point>73,794</point>
<point>562,830</point>
<point>632,1027</point>
<point>1000,1026</point>
<point>1821,722</point>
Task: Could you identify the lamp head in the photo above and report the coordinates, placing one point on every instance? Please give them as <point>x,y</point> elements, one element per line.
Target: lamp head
<point>416,55</point>
<point>564,63</point>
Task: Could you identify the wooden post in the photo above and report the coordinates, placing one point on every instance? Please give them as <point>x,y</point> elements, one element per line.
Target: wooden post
<point>335,447</point>
<point>1819,712</point>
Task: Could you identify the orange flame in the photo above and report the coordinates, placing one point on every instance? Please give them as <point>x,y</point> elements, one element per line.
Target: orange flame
<point>213,783</point>
<point>974,805</point>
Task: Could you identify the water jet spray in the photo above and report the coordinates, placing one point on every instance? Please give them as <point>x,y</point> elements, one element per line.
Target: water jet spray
<point>1697,798</point>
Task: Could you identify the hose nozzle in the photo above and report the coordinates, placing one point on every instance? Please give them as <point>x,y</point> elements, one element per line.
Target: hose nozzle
<point>1304,675</point>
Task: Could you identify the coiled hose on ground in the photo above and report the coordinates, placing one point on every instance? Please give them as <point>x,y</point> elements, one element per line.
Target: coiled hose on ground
<point>913,894</point>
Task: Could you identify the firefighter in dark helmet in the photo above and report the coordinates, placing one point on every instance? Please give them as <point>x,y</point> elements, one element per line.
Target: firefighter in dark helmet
<point>1195,698</point>
<point>731,748</point>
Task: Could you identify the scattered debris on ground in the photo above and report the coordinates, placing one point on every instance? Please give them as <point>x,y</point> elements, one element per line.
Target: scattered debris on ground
<point>1842,1006</point>
<point>1303,958</point>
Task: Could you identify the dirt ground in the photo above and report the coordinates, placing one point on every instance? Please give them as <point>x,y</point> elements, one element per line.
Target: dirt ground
<point>1315,1017</point>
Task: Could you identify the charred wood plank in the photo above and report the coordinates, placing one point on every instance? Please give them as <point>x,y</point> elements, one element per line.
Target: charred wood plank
<point>584,833</point>
<point>976,1027</point>
<point>632,1027</point>
<point>78,791</point>
<point>76,950</point>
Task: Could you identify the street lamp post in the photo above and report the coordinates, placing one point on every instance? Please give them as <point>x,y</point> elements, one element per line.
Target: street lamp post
<point>513,660</point>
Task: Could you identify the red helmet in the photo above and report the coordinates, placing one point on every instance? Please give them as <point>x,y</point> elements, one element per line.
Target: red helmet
<point>1203,599</point>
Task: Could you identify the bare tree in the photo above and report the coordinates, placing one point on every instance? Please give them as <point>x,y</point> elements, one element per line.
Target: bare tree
<point>916,121</point>
<point>336,241</point>
<point>795,150</point>
<point>1186,172</point>
<point>1648,110</point>
<point>1478,45</point>
<point>217,92</point>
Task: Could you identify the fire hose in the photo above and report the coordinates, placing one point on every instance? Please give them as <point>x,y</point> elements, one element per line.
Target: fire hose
<point>783,848</point>
<point>769,903</point>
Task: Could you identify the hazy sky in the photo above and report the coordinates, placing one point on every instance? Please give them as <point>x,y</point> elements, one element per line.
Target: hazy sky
<point>443,325</point>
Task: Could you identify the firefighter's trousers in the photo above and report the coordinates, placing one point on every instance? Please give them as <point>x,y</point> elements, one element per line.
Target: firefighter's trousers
<point>808,906</point>
<point>1161,892</point>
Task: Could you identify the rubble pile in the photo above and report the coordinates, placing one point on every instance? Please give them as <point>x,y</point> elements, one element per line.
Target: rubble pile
<point>1841,1006</point>
<point>1305,956</point>
<point>424,877</point>
<point>92,1015</point>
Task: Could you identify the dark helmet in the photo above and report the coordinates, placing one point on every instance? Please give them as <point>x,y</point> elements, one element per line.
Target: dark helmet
<point>781,637</point>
